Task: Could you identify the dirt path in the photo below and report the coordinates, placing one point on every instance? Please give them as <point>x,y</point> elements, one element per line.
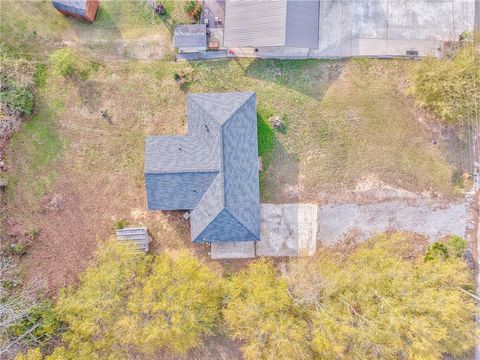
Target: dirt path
<point>338,221</point>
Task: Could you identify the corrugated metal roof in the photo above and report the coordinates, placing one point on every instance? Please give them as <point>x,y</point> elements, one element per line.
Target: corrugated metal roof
<point>229,209</point>
<point>187,36</point>
<point>78,7</point>
<point>255,23</point>
<point>135,236</point>
<point>258,23</point>
<point>302,23</point>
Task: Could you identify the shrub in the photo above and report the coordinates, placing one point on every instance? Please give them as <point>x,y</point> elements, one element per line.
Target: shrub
<point>454,247</point>
<point>120,224</point>
<point>64,61</point>
<point>18,249</point>
<point>194,9</point>
<point>33,232</point>
<point>17,97</point>
<point>184,77</point>
<point>449,86</point>
<point>68,63</point>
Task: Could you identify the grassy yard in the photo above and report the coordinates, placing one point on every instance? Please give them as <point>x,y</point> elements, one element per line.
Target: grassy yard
<point>123,30</point>
<point>344,121</point>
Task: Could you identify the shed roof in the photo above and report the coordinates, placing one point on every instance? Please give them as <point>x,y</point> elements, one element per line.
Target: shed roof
<point>78,7</point>
<point>186,36</point>
<point>302,23</point>
<point>259,23</point>
<point>254,23</point>
<point>215,174</point>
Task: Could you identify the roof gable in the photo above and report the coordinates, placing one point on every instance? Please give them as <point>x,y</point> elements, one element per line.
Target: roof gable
<point>163,189</point>
<point>225,227</point>
<point>222,106</point>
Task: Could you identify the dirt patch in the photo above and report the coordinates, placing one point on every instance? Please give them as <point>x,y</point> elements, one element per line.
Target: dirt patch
<point>213,348</point>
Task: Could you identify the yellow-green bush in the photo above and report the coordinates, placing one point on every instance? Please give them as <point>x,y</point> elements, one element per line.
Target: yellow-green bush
<point>450,86</point>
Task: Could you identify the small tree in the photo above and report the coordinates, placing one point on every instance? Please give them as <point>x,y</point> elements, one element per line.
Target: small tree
<point>382,303</point>
<point>130,302</point>
<point>92,310</point>
<point>24,320</point>
<point>174,306</point>
<point>261,312</point>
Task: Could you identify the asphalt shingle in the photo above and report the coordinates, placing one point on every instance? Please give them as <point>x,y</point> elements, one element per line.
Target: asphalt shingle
<point>212,171</point>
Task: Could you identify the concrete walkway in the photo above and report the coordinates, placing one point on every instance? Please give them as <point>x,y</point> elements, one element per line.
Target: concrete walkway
<point>285,230</point>
<point>337,221</point>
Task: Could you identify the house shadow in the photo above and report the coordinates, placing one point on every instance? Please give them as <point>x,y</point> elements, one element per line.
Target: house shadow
<point>311,77</point>
<point>279,182</point>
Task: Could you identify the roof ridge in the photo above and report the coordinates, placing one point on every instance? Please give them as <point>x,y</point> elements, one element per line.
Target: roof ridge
<point>192,97</point>
<point>182,172</point>
<point>231,116</point>
<point>242,224</point>
<point>219,173</point>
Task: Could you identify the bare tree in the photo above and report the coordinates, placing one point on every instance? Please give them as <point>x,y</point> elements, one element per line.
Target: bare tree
<point>16,302</point>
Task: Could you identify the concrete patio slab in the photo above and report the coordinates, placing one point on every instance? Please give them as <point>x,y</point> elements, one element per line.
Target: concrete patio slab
<point>287,230</point>
<point>233,250</point>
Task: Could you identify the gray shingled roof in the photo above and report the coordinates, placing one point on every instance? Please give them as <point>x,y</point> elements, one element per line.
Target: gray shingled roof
<point>78,7</point>
<point>187,36</point>
<point>212,171</point>
<point>259,23</point>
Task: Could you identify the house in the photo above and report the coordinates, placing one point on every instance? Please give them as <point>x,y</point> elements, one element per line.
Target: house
<point>80,9</point>
<point>342,28</point>
<point>212,171</point>
<point>190,38</point>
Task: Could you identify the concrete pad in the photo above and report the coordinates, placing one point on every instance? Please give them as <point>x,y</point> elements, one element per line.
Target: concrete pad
<point>337,221</point>
<point>464,15</point>
<point>420,20</point>
<point>233,250</point>
<point>424,47</point>
<point>373,47</point>
<point>370,19</point>
<point>335,28</point>
<point>287,230</point>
